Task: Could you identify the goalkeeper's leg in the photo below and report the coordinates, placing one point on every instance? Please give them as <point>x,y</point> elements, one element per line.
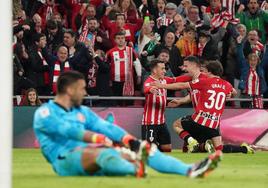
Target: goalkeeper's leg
<point>167,164</point>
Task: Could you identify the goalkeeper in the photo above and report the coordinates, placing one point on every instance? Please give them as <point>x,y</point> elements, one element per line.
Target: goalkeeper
<point>76,142</point>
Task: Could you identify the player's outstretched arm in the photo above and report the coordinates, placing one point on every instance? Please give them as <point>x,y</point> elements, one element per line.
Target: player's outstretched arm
<point>177,102</point>
<point>174,86</point>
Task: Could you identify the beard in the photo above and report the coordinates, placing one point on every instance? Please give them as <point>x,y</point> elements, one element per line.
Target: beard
<point>76,102</point>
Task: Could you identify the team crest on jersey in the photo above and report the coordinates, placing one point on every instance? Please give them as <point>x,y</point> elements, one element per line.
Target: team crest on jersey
<point>44,112</point>
<point>81,117</point>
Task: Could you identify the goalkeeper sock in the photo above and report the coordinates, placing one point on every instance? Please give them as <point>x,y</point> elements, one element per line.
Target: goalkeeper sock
<point>234,149</point>
<point>113,164</point>
<point>167,164</point>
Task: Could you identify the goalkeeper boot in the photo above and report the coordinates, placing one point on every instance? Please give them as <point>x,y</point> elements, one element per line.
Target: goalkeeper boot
<point>249,150</point>
<point>204,167</point>
<point>209,146</point>
<point>193,145</point>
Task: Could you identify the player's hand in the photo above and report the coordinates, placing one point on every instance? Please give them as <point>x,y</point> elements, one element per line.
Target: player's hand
<point>174,103</point>
<point>156,84</point>
<point>101,139</point>
<point>154,90</point>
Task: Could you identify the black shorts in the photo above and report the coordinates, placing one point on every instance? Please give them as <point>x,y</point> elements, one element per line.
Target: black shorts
<point>197,131</point>
<point>157,134</point>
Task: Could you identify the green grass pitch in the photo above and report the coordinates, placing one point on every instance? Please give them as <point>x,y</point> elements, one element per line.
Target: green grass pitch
<point>30,170</point>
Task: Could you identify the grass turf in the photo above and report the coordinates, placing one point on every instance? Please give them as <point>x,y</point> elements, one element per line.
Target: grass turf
<point>30,170</point>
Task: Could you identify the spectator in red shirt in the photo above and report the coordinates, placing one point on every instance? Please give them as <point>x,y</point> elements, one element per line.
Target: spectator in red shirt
<point>119,25</point>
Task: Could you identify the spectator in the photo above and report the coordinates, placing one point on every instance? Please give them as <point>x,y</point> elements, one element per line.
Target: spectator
<point>147,7</point>
<point>183,7</point>
<point>160,8</point>
<point>165,20</point>
<point>54,35</point>
<point>126,7</point>
<point>252,81</point>
<point>122,58</point>
<point>208,43</point>
<point>187,43</point>
<point>40,64</point>
<point>177,26</point>
<point>175,60</point>
<point>192,17</point>
<point>254,18</point>
<point>80,56</point>
<point>120,25</point>
<point>47,10</point>
<point>232,69</point>
<point>17,74</point>
<point>81,21</point>
<point>31,98</point>
<point>95,36</point>
<point>99,77</point>
<point>146,35</point>
<point>59,66</point>
<point>61,22</point>
<point>252,44</point>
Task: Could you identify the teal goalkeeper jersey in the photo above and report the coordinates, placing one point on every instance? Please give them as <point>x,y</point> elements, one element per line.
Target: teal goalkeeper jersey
<point>59,131</point>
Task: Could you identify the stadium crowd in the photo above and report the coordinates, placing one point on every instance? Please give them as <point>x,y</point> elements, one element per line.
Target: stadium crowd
<point>112,42</point>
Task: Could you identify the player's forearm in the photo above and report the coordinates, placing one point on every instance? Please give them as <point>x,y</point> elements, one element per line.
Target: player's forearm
<point>185,100</point>
<point>175,86</point>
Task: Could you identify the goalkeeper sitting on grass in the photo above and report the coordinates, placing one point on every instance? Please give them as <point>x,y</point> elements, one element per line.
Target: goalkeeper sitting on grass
<point>76,142</point>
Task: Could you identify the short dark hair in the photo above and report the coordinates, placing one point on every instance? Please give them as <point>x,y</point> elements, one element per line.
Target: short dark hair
<point>91,18</point>
<point>120,33</point>
<point>164,50</point>
<point>192,59</point>
<point>154,63</point>
<point>38,36</point>
<point>189,28</point>
<point>70,31</point>
<point>215,67</point>
<point>66,79</point>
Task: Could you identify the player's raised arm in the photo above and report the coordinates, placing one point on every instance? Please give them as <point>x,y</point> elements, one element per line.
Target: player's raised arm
<point>174,86</point>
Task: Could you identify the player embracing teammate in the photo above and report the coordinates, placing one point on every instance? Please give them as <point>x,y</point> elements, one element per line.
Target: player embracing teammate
<point>209,95</point>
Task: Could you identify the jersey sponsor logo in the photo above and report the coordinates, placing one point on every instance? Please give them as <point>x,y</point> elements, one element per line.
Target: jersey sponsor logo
<point>44,112</point>
<point>209,116</point>
<point>81,117</point>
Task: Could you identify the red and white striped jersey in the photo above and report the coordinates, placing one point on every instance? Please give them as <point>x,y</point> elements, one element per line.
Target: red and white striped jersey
<point>155,104</point>
<point>211,102</point>
<point>253,83</point>
<point>119,61</point>
<point>194,93</point>
<point>163,21</point>
<point>226,12</point>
